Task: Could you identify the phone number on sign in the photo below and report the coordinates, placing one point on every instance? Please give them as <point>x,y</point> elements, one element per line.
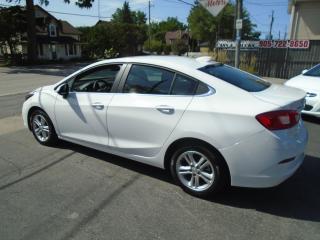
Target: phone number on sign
<point>284,44</point>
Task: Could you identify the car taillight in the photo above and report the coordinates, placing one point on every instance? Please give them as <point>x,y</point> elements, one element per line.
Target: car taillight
<point>278,120</point>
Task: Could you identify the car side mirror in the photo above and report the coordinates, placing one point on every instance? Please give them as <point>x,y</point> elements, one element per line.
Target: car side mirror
<point>304,71</point>
<point>64,90</point>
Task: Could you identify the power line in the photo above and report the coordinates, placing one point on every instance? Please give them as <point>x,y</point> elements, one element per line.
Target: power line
<point>65,13</point>
<point>269,4</point>
<point>180,1</point>
<point>185,2</point>
<point>78,14</point>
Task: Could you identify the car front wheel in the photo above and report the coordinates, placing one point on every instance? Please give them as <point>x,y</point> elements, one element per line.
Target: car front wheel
<point>42,128</point>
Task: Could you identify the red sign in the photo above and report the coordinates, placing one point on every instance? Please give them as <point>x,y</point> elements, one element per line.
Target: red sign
<point>302,44</point>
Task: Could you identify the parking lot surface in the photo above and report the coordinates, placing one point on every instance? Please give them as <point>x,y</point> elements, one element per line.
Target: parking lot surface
<point>72,192</point>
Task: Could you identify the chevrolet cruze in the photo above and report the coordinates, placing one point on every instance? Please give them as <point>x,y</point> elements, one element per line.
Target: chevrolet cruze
<point>209,124</point>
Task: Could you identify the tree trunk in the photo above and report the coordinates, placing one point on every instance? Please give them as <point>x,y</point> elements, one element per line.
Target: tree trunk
<point>31,32</point>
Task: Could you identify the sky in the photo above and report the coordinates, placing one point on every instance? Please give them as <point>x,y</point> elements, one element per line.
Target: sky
<point>259,10</point>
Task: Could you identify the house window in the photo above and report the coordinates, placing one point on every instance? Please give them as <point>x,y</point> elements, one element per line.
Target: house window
<point>52,30</point>
<point>75,49</point>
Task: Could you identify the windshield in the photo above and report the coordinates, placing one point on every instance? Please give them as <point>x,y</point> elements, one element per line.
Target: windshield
<point>236,77</point>
<point>313,72</point>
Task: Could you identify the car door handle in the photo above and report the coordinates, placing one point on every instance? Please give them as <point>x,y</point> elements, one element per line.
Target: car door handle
<point>165,109</point>
<point>98,106</point>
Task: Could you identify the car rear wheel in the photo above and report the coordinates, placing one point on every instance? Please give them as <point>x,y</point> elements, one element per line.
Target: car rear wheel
<point>199,170</point>
<point>42,128</point>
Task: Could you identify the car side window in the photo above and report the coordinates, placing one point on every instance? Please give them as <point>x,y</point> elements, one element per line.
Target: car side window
<point>202,89</point>
<point>184,85</point>
<point>99,79</point>
<point>148,80</point>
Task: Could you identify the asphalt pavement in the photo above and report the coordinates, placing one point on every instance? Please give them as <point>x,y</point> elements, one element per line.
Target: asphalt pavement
<point>72,192</point>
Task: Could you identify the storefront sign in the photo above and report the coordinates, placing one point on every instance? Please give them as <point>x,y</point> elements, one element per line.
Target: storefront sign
<point>295,44</point>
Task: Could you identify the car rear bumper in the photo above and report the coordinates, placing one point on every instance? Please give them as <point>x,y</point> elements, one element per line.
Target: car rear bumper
<point>266,159</point>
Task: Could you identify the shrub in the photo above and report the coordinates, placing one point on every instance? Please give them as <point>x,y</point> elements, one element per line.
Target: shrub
<point>155,46</point>
<point>179,47</point>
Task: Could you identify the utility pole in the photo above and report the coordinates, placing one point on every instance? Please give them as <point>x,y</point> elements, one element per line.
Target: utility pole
<point>149,27</point>
<point>271,24</point>
<point>279,35</point>
<point>285,33</point>
<point>238,33</point>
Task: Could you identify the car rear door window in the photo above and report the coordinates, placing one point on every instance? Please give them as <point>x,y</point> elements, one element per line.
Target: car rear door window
<point>148,80</point>
<point>236,77</point>
<point>99,79</point>
<point>184,85</point>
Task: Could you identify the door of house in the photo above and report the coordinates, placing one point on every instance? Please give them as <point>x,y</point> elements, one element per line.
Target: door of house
<point>53,51</point>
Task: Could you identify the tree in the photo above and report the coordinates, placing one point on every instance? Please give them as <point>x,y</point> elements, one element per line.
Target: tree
<point>13,20</point>
<point>179,47</point>
<point>171,24</point>
<point>158,30</point>
<point>123,38</point>
<point>139,18</point>
<point>31,27</point>
<point>205,27</point>
<point>155,46</point>
<point>125,15</point>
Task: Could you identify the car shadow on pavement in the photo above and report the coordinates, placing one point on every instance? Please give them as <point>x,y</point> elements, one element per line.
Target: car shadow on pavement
<point>297,198</point>
<point>312,119</point>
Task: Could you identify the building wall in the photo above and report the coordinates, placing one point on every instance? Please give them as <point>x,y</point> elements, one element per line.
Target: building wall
<point>305,20</point>
<point>60,50</point>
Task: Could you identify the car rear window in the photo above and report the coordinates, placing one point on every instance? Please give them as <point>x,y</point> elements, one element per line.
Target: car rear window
<point>236,77</point>
<point>313,72</point>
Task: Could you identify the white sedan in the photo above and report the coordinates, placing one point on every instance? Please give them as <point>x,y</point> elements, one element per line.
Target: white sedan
<point>309,81</point>
<point>210,124</point>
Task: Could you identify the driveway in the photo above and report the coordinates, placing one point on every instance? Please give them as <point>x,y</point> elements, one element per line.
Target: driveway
<point>72,192</point>
<point>15,80</point>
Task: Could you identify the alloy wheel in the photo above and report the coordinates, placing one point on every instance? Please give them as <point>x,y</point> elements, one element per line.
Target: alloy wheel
<point>41,128</point>
<point>195,171</point>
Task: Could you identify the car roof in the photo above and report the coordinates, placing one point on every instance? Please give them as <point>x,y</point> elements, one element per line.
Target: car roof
<point>174,62</point>
<point>185,65</point>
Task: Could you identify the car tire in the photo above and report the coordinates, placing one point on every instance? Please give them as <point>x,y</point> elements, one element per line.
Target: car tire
<point>42,128</point>
<point>199,170</point>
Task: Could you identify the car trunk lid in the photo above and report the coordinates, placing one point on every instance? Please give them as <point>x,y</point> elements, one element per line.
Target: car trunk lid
<point>284,97</point>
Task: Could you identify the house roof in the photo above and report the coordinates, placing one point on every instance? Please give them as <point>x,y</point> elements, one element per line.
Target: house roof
<point>204,44</point>
<point>175,34</point>
<point>68,28</point>
<point>101,22</point>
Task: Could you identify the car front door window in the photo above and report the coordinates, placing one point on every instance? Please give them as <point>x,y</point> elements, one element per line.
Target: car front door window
<point>99,79</point>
